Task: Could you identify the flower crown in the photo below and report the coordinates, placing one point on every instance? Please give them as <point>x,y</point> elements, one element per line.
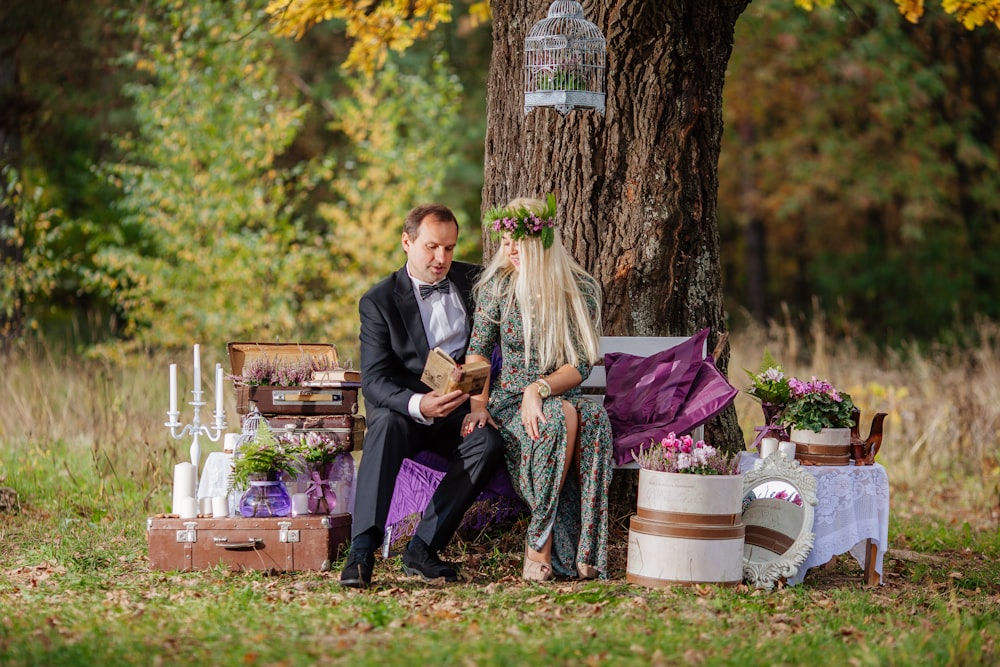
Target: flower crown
<point>520,222</point>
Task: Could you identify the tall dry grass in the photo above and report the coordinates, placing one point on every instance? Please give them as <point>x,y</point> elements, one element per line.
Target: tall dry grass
<point>940,446</point>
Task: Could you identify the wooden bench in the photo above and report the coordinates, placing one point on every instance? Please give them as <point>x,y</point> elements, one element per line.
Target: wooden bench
<point>595,386</point>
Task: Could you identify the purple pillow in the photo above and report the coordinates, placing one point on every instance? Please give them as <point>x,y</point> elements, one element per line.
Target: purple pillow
<point>707,396</point>
<point>649,390</point>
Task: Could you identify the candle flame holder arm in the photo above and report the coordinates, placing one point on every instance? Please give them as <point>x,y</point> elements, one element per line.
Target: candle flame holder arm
<point>196,429</point>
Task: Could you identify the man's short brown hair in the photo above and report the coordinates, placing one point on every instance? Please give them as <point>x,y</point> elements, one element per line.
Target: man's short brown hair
<point>417,214</point>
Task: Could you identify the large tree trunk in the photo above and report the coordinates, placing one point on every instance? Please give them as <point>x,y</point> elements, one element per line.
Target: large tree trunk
<point>637,186</point>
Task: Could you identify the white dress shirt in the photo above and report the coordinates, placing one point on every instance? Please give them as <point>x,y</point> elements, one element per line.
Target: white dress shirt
<point>444,321</point>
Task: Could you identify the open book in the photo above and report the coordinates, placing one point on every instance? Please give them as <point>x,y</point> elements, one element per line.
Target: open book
<point>444,375</point>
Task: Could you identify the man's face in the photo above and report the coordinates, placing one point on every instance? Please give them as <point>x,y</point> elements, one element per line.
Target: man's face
<point>429,254</point>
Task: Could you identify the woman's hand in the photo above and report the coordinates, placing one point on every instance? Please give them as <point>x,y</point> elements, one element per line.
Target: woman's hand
<point>531,411</point>
<point>477,418</point>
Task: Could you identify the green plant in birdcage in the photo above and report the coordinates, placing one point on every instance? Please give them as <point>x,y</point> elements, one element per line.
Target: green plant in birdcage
<point>563,77</point>
<point>264,457</point>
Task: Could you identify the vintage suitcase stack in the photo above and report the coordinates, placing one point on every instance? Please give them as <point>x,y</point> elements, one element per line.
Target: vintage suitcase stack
<point>304,542</point>
<point>322,407</point>
<point>281,544</point>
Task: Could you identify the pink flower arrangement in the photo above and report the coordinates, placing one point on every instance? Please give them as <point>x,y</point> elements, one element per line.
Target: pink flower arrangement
<point>684,455</point>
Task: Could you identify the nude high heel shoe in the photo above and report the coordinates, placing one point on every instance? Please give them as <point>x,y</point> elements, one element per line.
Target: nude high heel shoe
<point>535,570</point>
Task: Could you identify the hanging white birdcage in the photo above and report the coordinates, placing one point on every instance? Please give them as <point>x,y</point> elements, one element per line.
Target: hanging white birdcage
<point>564,61</point>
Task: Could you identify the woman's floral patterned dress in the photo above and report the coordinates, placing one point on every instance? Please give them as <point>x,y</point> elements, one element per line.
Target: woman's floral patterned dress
<point>577,515</point>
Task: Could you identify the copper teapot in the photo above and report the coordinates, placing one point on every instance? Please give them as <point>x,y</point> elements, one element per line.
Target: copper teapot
<point>863,451</point>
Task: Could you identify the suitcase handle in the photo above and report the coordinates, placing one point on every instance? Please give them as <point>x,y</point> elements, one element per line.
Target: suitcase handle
<point>251,543</point>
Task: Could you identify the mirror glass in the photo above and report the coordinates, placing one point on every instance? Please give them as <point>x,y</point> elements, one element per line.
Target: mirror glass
<point>778,505</point>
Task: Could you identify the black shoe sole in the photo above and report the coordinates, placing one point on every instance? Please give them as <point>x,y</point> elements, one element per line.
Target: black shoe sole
<point>412,571</point>
<point>355,583</point>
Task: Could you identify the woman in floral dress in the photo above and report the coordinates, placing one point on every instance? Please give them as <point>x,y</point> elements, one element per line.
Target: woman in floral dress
<point>543,310</point>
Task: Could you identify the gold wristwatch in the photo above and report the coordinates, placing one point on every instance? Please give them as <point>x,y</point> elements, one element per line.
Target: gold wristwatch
<point>544,388</point>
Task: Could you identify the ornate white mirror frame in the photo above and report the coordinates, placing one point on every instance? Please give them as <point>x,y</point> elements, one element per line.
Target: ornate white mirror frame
<point>773,525</point>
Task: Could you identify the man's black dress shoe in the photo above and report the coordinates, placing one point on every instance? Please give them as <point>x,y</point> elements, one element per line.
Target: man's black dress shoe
<point>358,571</point>
<point>419,560</point>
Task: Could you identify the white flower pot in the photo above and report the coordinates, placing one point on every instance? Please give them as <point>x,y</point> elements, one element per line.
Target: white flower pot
<point>687,530</point>
<point>828,447</point>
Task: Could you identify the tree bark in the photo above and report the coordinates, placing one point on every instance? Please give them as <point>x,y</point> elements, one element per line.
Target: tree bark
<point>637,187</point>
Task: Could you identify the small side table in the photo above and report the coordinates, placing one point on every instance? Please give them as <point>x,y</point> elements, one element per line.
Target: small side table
<point>852,516</point>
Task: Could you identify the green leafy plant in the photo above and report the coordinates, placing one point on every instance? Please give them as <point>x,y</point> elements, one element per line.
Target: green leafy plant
<point>265,456</point>
<point>769,384</point>
<point>816,405</point>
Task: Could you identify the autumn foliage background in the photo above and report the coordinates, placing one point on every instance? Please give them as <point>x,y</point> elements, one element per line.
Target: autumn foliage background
<point>185,173</point>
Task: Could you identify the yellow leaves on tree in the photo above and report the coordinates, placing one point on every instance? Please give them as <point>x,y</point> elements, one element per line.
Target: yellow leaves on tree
<point>375,27</point>
<point>970,13</point>
<point>974,13</point>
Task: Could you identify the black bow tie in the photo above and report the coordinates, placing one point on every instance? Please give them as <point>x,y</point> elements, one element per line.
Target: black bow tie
<point>442,286</point>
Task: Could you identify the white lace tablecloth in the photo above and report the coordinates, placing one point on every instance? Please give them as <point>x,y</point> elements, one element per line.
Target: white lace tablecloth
<point>852,507</point>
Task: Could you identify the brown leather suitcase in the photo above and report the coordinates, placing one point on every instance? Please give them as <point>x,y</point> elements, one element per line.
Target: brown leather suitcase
<point>297,400</point>
<point>282,544</point>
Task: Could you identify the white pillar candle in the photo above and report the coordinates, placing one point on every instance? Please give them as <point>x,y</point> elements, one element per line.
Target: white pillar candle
<point>218,393</point>
<point>173,388</point>
<point>205,507</point>
<point>787,449</point>
<point>767,447</point>
<point>300,504</point>
<point>188,508</point>
<point>229,442</point>
<point>197,367</point>
<point>220,507</point>
<point>183,485</point>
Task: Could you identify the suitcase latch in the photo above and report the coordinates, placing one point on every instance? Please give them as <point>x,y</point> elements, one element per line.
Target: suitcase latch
<point>189,534</point>
<point>285,532</point>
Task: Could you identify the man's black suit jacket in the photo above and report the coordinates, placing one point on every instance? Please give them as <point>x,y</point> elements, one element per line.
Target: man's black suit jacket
<point>394,345</point>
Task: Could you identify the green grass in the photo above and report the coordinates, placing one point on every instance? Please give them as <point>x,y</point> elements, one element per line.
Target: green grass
<point>76,590</point>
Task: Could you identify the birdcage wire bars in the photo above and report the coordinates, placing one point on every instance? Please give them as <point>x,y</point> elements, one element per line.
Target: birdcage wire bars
<point>564,61</point>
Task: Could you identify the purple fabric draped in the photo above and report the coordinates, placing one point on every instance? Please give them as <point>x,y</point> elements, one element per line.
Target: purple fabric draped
<point>672,391</point>
<point>418,479</point>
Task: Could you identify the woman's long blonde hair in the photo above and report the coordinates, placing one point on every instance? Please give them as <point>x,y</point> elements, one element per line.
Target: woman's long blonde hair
<point>551,289</point>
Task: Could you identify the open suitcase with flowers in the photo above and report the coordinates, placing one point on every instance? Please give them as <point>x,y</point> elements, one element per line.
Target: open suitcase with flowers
<point>273,377</point>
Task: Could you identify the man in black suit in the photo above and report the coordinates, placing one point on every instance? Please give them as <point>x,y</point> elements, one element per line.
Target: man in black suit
<point>426,304</point>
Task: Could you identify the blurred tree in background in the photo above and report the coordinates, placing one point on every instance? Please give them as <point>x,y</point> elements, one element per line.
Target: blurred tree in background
<point>860,165</point>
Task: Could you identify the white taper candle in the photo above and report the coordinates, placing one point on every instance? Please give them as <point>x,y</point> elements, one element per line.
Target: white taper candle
<point>218,394</point>
<point>197,367</point>
<point>173,388</point>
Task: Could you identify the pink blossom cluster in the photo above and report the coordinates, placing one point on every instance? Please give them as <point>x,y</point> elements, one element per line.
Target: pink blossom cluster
<point>685,452</point>
<point>799,388</point>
